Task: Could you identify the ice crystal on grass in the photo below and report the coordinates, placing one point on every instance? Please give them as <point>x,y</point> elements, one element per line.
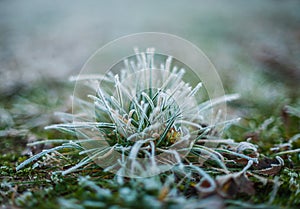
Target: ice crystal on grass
<point>141,120</point>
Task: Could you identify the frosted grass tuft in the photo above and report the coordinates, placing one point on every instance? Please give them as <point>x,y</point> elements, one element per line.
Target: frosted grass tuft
<point>142,120</point>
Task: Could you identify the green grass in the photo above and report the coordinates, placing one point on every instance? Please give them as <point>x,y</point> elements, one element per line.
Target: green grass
<point>28,188</point>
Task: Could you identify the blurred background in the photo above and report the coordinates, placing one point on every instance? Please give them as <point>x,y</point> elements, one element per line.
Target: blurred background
<point>255,46</point>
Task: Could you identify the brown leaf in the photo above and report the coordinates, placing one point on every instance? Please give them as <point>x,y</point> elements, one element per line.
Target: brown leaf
<point>231,184</point>
<point>269,166</point>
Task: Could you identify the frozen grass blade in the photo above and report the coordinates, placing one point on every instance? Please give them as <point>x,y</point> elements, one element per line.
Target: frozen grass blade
<point>41,154</point>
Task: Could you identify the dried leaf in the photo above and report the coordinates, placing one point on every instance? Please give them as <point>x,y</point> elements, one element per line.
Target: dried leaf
<point>269,166</point>
<point>231,184</point>
<point>281,147</point>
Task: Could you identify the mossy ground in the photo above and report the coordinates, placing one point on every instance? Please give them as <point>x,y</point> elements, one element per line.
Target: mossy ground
<point>40,186</point>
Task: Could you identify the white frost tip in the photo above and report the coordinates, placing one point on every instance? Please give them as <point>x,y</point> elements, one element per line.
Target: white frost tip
<point>168,63</point>
<point>73,78</point>
<point>231,97</point>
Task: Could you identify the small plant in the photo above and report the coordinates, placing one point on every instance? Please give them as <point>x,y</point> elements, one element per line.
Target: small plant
<point>146,120</point>
<point>141,120</point>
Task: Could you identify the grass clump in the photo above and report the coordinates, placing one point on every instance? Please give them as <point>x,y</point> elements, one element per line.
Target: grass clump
<point>252,164</point>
